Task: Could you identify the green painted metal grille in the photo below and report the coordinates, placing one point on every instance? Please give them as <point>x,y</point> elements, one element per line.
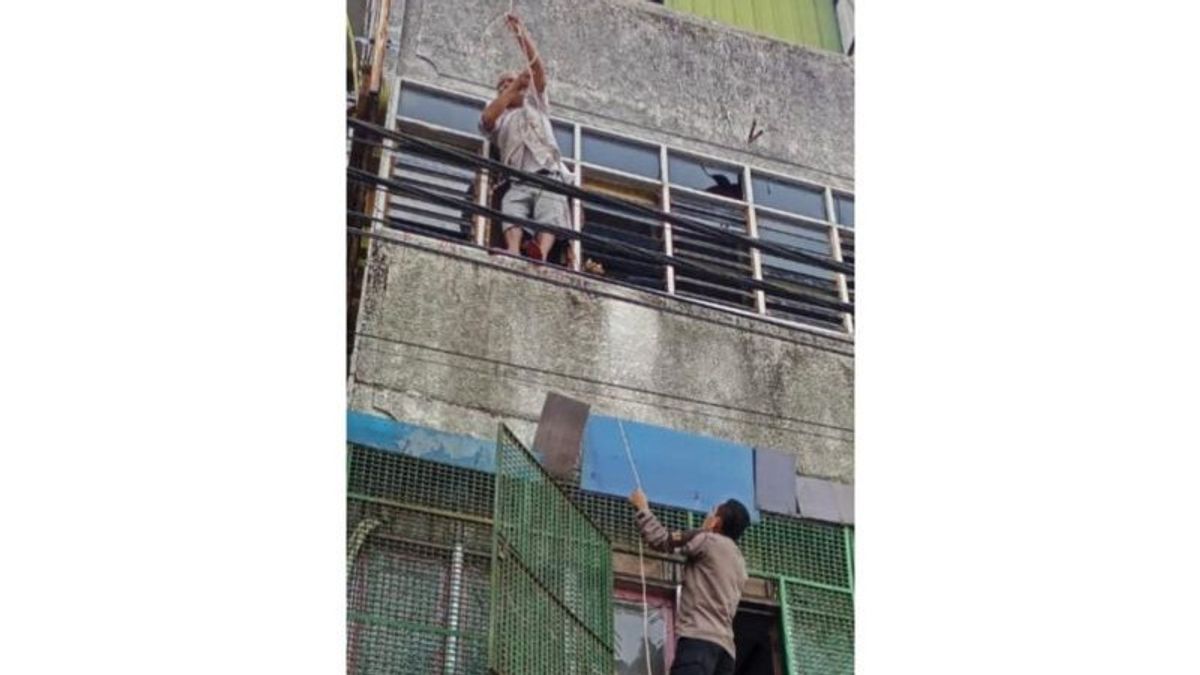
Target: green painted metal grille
<point>615,517</point>
<point>801,549</point>
<point>552,579</point>
<point>417,592</point>
<point>819,628</point>
<point>375,474</point>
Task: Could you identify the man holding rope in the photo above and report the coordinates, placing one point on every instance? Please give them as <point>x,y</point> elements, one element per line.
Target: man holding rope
<point>713,575</point>
<point>517,122</point>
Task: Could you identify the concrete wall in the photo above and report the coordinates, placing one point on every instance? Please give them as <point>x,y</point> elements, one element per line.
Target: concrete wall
<point>639,69</point>
<point>459,340</point>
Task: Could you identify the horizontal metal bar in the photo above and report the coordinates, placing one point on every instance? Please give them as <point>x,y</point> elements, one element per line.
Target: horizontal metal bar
<point>453,515</point>
<point>559,187</point>
<point>840,335</point>
<point>376,620</point>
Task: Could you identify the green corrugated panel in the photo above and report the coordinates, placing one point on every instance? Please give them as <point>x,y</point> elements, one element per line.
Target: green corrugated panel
<point>805,22</point>
<point>552,577</point>
<point>831,35</point>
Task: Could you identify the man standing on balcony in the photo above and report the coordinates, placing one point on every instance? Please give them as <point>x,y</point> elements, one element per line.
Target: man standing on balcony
<point>518,124</point>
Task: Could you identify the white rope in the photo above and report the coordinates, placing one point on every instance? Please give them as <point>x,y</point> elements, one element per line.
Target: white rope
<point>641,556</point>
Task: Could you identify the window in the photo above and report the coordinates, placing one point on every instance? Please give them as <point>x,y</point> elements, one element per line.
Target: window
<point>628,632</point>
<point>709,176</point>
<point>619,154</point>
<point>435,175</point>
<point>624,227</point>
<point>452,112</point>
<point>788,196</point>
<point>845,209</point>
<point>706,266</point>
<point>564,136</point>
<point>799,276</point>
<point>721,258</point>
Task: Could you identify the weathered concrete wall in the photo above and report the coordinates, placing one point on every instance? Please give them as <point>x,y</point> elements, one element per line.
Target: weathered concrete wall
<point>458,340</point>
<point>639,69</point>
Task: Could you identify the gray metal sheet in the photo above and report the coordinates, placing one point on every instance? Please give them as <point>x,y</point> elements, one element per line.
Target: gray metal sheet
<point>775,481</point>
<point>816,499</point>
<point>844,495</point>
<point>560,434</point>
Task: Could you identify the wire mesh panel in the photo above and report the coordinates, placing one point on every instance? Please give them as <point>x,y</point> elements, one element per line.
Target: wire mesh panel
<point>417,592</point>
<point>552,576</point>
<point>819,628</point>
<point>802,549</point>
<point>387,475</point>
<point>614,515</point>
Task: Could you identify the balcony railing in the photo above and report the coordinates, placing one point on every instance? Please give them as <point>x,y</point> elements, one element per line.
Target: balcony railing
<point>719,248</point>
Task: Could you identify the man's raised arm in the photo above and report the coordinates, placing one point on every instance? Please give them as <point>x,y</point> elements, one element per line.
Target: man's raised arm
<point>531,53</point>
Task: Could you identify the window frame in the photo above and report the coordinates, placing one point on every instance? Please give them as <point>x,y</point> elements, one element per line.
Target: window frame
<point>658,598</point>
<point>663,183</point>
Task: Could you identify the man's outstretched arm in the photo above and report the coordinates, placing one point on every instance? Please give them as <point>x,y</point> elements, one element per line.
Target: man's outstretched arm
<point>656,536</point>
<point>531,53</point>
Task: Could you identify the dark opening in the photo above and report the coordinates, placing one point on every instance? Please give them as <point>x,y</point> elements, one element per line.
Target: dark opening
<point>757,640</point>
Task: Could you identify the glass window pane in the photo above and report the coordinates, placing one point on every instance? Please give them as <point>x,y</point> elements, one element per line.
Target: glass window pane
<point>623,226</point>
<point>631,647</point>
<point>564,135</point>
<point>791,197</point>
<point>799,277</point>
<point>724,258</point>
<point>706,175</point>
<point>845,209</point>
<point>440,109</point>
<point>627,156</point>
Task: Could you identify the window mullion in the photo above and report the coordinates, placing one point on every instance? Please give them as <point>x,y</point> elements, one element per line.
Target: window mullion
<point>668,242</point>
<point>760,296</point>
<point>835,244</point>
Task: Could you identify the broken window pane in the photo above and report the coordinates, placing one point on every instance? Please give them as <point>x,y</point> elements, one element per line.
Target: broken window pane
<point>704,174</point>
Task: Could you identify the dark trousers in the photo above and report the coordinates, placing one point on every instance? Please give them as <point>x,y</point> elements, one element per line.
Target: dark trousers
<point>700,657</point>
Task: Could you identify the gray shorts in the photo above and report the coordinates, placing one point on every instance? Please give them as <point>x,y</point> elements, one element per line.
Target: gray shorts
<point>530,201</point>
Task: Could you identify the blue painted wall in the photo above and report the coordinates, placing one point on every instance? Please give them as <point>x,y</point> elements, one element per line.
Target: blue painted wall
<point>417,441</point>
<point>677,469</point>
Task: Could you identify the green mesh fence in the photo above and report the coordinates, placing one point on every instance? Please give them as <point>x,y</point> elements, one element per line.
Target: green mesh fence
<point>552,579</point>
<point>375,474</point>
<point>819,628</point>
<point>614,516</point>
<point>417,592</point>
<point>551,573</point>
<point>803,549</point>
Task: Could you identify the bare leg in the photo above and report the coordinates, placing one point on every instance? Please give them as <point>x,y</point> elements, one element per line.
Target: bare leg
<point>512,240</point>
<point>545,241</point>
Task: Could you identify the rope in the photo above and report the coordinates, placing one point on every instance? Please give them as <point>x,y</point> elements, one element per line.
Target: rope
<point>641,555</point>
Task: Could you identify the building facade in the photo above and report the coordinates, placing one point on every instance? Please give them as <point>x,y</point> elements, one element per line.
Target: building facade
<point>464,553</point>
